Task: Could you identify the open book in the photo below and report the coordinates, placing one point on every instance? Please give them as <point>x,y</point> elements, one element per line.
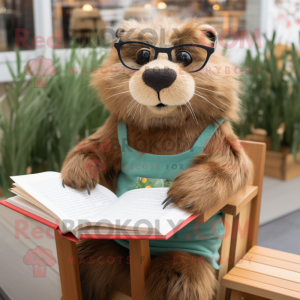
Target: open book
<point>137,214</point>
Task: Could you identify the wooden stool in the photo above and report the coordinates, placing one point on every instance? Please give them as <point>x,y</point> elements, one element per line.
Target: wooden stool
<point>265,274</point>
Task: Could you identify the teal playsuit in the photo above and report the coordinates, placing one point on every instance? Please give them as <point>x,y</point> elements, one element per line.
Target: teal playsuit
<point>138,169</point>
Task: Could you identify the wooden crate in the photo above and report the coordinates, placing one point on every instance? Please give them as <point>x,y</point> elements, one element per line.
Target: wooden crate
<point>261,139</point>
<point>282,165</point>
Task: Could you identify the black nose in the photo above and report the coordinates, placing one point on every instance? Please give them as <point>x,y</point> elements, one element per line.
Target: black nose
<point>159,79</point>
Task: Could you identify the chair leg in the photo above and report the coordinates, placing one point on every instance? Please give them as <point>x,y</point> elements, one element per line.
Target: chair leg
<point>68,268</point>
<point>225,255</point>
<point>139,264</point>
<point>240,236</point>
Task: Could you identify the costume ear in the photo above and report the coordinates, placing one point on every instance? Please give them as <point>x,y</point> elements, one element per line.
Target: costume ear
<point>209,33</point>
<point>119,32</point>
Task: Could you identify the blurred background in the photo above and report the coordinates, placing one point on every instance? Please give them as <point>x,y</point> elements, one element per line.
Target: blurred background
<point>42,117</point>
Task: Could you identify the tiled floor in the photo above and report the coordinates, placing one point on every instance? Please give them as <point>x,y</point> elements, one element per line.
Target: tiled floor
<point>279,198</point>
<point>282,234</point>
<point>18,280</point>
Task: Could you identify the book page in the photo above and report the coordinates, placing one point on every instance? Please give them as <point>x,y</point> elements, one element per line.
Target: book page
<point>17,190</point>
<point>142,208</point>
<point>66,203</point>
<point>24,204</point>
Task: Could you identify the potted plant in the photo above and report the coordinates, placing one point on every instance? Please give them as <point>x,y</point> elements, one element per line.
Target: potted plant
<point>38,126</point>
<point>271,106</point>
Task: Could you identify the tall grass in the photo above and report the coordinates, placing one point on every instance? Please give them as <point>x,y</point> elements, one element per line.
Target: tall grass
<point>271,95</point>
<point>40,125</point>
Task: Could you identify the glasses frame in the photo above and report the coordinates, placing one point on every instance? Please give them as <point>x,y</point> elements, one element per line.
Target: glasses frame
<point>209,50</point>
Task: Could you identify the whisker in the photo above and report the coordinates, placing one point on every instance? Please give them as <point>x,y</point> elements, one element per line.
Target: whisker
<point>190,109</point>
<point>193,112</point>
<point>198,87</point>
<point>141,109</point>
<point>181,109</point>
<point>121,82</point>
<point>131,109</point>
<point>131,102</point>
<point>135,111</point>
<point>186,104</point>
<point>132,105</point>
<point>129,114</point>
<point>120,93</point>
<point>208,101</point>
<point>116,86</point>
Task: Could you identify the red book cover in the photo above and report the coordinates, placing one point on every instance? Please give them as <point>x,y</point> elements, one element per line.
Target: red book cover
<point>71,237</point>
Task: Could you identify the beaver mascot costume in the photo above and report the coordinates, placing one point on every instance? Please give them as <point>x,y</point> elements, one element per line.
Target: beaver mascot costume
<point>171,95</point>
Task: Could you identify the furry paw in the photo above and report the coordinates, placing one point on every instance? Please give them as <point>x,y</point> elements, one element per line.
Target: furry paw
<point>193,192</point>
<point>179,275</point>
<point>81,174</point>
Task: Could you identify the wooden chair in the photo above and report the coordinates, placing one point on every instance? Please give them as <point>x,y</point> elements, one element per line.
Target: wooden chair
<point>265,274</point>
<point>241,213</point>
<point>262,273</point>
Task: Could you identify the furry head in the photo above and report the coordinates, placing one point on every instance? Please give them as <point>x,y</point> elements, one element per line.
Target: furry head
<point>164,92</point>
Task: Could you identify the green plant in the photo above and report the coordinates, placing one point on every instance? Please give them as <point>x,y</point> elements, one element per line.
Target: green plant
<point>292,105</point>
<point>19,123</point>
<point>271,94</point>
<point>40,125</point>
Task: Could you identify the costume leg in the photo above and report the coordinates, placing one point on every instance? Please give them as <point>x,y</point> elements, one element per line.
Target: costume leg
<point>104,267</point>
<point>177,275</point>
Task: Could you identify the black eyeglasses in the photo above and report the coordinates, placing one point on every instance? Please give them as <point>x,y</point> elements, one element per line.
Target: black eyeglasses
<point>193,57</point>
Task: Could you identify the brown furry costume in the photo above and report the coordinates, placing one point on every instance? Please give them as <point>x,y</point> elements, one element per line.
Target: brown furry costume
<point>227,166</point>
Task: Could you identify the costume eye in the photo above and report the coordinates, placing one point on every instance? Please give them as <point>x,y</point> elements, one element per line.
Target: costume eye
<point>143,56</point>
<point>184,57</point>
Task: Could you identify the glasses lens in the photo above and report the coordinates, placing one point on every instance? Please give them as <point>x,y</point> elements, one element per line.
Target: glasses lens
<point>192,58</point>
<point>136,55</point>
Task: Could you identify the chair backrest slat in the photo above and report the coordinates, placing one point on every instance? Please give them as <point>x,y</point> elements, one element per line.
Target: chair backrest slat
<point>257,153</point>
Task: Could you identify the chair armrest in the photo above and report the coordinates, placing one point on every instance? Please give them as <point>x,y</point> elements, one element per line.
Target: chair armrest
<point>233,205</point>
<point>239,200</point>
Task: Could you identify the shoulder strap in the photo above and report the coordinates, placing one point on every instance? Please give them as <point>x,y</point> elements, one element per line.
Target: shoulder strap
<point>206,135</point>
<point>122,133</point>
